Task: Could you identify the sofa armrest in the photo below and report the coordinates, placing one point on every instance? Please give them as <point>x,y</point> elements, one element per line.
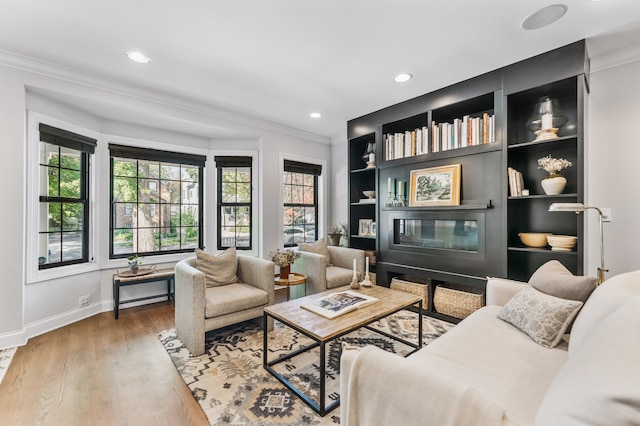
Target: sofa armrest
<point>343,257</point>
<point>424,395</point>
<point>257,272</point>
<point>500,290</point>
<point>190,303</point>
<point>314,266</point>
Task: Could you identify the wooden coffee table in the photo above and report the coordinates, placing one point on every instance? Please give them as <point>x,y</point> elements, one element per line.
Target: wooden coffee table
<point>323,330</point>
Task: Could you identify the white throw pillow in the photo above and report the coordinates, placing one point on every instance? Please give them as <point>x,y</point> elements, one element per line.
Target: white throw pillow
<point>600,383</point>
<point>542,317</point>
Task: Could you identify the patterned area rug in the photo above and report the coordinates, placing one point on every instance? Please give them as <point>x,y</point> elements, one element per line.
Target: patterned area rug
<point>6,355</point>
<point>233,388</point>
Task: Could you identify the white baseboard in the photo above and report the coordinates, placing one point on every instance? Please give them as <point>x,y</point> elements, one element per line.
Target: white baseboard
<point>45,325</point>
<point>13,339</point>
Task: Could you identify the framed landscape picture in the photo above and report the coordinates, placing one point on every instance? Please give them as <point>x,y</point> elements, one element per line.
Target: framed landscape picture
<point>435,186</point>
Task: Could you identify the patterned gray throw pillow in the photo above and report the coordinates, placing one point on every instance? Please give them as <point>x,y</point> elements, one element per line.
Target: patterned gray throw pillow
<point>542,317</point>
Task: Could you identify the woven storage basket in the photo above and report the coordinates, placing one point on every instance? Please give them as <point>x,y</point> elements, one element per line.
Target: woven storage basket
<point>457,301</point>
<point>410,285</point>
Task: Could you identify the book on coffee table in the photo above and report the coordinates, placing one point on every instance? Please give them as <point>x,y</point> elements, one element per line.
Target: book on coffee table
<point>336,304</point>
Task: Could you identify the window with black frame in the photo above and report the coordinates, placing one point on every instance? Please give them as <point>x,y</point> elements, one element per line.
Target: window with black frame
<point>234,202</point>
<point>156,201</point>
<point>63,231</point>
<point>300,194</point>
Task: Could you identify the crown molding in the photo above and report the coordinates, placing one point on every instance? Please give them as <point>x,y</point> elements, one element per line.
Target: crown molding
<point>75,76</point>
<point>615,58</point>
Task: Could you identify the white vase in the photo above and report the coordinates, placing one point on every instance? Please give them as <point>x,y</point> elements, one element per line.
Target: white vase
<point>553,184</point>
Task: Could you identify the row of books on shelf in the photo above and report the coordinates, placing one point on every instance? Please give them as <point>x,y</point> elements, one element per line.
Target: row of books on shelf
<point>463,132</point>
<point>516,182</point>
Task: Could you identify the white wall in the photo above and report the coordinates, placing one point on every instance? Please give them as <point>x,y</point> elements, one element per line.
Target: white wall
<point>612,166</point>
<point>30,309</point>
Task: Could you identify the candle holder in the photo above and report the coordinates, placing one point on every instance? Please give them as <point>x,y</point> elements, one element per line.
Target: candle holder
<point>367,281</point>
<point>389,202</point>
<point>547,119</point>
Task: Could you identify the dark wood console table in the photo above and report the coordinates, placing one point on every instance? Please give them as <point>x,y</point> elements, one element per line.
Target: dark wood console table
<point>159,275</point>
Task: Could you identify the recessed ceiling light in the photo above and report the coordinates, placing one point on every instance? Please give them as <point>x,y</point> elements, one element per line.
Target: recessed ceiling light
<point>315,115</point>
<point>138,57</point>
<point>402,77</point>
<point>543,17</point>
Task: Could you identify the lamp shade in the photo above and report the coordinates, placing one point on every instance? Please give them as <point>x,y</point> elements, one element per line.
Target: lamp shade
<point>567,207</point>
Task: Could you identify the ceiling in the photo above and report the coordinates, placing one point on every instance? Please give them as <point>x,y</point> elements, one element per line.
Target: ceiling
<point>274,62</point>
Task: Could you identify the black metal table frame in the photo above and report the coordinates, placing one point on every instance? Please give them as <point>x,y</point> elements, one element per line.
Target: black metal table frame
<point>143,279</point>
<point>321,408</point>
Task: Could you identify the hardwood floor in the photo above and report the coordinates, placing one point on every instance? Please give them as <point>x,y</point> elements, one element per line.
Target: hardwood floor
<point>99,371</point>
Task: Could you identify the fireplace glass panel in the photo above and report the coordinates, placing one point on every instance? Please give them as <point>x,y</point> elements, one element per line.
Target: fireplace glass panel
<point>447,234</point>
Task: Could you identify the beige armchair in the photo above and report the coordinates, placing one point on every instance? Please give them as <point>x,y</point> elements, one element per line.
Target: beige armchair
<point>199,308</point>
<point>321,277</point>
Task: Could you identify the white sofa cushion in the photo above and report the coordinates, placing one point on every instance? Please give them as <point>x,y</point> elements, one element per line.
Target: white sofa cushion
<point>542,317</point>
<point>603,301</point>
<point>600,383</point>
<point>500,361</point>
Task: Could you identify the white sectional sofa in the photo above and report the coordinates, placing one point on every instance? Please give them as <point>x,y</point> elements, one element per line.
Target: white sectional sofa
<point>486,371</point>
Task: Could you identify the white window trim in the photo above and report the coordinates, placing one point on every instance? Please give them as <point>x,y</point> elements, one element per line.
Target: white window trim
<point>322,191</point>
<point>33,274</point>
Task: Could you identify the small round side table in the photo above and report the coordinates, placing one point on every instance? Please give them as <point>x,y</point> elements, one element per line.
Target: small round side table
<point>295,278</point>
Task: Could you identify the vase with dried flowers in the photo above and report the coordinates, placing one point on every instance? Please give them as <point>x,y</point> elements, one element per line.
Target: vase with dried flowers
<point>284,259</point>
<point>554,182</point>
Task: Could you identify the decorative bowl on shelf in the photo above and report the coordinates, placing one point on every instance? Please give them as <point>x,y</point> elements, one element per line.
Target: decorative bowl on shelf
<point>534,239</point>
<point>562,242</point>
<point>369,194</point>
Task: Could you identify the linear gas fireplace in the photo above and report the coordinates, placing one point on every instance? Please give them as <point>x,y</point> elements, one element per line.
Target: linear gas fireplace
<point>447,240</point>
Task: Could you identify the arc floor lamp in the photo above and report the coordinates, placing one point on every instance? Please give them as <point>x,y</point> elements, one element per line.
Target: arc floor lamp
<point>578,208</point>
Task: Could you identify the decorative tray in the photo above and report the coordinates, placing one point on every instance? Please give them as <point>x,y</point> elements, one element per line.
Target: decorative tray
<point>126,273</point>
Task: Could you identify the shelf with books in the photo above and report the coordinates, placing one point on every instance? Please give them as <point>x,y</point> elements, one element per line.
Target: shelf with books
<point>362,178</point>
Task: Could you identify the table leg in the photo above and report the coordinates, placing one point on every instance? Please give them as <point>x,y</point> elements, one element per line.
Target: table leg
<point>323,373</point>
<point>288,293</point>
<point>116,297</point>
<point>420,324</point>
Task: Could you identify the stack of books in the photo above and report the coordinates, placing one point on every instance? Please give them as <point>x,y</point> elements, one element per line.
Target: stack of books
<point>516,182</point>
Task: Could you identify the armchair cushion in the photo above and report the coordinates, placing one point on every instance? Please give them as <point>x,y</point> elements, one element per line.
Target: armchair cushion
<point>337,277</point>
<point>233,298</point>
<point>554,279</point>
<point>317,247</point>
<point>218,269</point>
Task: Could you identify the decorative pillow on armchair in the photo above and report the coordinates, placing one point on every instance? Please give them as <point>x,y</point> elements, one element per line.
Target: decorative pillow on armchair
<point>542,317</point>
<point>218,269</point>
<point>554,279</point>
<point>318,247</point>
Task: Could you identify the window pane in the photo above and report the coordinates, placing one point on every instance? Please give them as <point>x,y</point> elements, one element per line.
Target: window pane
<point>148,216</point>
<point>190,193</point>
<point>123,241</point>
<point>49,154</point>
<point>244,174</point>
<point>54,249</point>
<point>244,193</point>
<point>125,189</point>
<point>170,171</point>
<point>308,180</point>
<point>148,191</point>
<point>123,167</point>
<point>243,237</point>
<point>69,183</point>
<point>308,195</point>
<point>71,246</point>
<point>189,237</point>
<point>43,249</point>
<point>170,240</point>
<point>243,216</point>
<point>148,169</point>
<point>123,217</point>
<point>51,216</point>
<point>148,240</point>
<point>189,174</point>
<point>229,192</point>
<point>228,236</point>
<point>70,158</point>
<point>72,215</point>
<point>49,181</point>
<point>170,191</point>
<point>189,216</point>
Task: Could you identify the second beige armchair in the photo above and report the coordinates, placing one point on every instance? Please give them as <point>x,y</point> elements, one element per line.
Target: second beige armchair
<point>337,271</point>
